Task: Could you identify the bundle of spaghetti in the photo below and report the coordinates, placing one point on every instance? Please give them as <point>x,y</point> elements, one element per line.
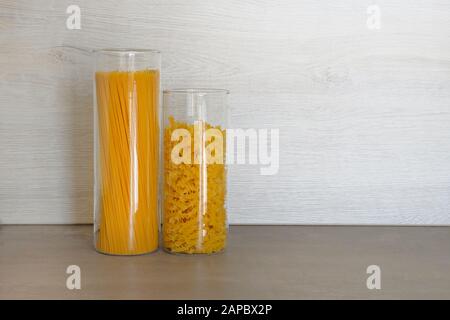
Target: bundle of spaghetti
<point>128,138</point>
<point>193,224</point>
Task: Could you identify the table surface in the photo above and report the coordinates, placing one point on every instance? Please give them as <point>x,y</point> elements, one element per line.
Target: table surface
<point>261,262</point>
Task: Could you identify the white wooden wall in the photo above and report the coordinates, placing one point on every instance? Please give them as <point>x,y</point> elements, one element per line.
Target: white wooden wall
<point>364,115</point>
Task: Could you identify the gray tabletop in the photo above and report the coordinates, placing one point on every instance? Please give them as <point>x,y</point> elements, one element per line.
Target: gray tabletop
<point>261,262</point>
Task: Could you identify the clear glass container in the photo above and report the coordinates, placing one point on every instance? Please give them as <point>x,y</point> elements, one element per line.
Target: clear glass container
<point>194,182</point>
<point>126,151</point>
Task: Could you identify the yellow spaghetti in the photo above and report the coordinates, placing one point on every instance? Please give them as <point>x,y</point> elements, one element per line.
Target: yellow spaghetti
<point>194,220</point>
<point>127,162</point>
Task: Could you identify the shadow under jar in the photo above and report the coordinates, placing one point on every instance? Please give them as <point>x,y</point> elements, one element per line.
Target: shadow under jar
<point>194,171</point>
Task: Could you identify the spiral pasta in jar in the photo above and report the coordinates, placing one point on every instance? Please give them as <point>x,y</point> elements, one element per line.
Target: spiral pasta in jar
<point>194,171</point>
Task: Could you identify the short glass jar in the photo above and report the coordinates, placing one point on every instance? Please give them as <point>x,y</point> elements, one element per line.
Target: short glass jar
<point>194,179</point>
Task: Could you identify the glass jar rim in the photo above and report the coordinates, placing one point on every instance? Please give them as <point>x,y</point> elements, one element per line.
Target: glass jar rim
<point>196,91</point>
<point>125,51</point>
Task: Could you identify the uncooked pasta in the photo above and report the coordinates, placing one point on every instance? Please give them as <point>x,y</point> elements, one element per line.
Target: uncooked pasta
<point>194,200</point>
<point>127,161</point>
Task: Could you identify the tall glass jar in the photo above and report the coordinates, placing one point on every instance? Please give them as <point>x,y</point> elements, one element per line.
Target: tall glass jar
<point>194,170</point>
<point>126,151</point>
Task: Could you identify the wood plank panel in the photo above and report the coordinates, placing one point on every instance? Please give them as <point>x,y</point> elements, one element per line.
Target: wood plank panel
<point>363,114</point>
